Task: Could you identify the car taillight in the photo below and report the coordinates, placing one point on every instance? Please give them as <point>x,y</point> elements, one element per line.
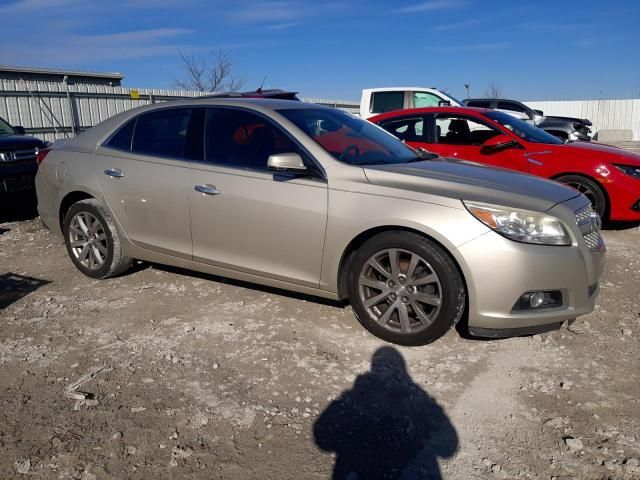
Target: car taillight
<point>42,153</point>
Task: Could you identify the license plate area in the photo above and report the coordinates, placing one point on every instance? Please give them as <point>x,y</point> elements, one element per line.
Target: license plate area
<point>17,184</point>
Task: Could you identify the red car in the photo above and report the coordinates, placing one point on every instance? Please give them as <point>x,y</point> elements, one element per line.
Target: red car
<point>608,176</point>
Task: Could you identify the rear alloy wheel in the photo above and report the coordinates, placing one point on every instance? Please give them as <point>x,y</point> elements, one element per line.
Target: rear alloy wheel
<point>405,289</point>
<point>589,189</point>
<point>92,240</point>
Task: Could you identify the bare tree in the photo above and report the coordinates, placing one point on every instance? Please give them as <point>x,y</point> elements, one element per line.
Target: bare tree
<point>494,90</point>
<point>208,74</point>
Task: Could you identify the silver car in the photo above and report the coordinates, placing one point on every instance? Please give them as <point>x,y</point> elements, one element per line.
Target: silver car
<point>311,199</point>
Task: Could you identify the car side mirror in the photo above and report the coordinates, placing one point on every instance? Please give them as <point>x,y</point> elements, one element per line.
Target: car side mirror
<point>20,130</point>
<point>286,162</point>
<point>497,143</point>
<point>444,103</point>
<point>539,112</point>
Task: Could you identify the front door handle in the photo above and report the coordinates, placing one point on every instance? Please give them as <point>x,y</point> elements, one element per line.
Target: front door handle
<point>207,189</point>
<point>114,172</point>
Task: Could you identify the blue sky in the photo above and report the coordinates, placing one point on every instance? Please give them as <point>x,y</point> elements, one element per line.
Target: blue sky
<point>534,50</point>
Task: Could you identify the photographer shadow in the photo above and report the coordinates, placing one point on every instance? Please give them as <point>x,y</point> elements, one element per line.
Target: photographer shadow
<point>386,426</point>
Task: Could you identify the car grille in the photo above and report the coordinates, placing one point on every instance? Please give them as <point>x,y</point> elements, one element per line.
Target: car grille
<point>589,225</point>
<point>20,155</point>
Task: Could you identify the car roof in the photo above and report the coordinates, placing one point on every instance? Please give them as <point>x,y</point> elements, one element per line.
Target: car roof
<point>97,134</point>
<point>418,111</point>
<point>399,89</point>
<point>259,93</point>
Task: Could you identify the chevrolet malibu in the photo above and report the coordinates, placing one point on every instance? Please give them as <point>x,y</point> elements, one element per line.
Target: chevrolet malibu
<point>311,199</point>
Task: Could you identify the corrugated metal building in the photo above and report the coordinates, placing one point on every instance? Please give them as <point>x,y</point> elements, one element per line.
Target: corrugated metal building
<point>50,75</point>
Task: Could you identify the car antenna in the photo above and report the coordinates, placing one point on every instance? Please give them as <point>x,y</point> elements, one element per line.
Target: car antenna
<point>261,85</point>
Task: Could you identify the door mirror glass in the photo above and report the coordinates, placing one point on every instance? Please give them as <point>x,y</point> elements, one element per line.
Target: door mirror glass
<point>20,130</point>
<point>286,162</point>
<point>499,142</point>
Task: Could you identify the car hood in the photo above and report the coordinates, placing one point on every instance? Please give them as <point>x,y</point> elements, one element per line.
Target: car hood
<point>554,119</point>
<point>471,181</point>
<point>601,152</point>
<point>17,141</point>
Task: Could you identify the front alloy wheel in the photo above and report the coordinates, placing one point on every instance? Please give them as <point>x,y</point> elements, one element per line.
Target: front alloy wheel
<point>404,288</point>
<point>400,290</point>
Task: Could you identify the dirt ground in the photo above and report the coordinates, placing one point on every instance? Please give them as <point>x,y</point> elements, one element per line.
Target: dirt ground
<point>164,373</point>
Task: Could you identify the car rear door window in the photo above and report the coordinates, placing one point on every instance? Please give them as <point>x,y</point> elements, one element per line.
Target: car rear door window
<point>478,103</point>
<point>409,129</point>
<point>162,133</point>
<point>241,139</point>
<point>458,130</point>
<point>382,102</point>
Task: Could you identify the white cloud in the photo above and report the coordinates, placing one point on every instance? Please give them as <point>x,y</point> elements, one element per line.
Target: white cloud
<point>471,47</point>
<point>282,26</point>
<point>267,12</point>
<point>432,5</point>
<point>25,6</point>
<point>456,26</point>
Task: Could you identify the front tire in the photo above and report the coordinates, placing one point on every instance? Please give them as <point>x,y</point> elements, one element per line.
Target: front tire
<point>589,189</point>
<point>92,240</point>
<point>405,289</point>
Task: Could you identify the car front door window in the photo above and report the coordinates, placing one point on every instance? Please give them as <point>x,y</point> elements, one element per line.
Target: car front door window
<point>240,139</point>
<point>424,99</point>
<point>454,130</point>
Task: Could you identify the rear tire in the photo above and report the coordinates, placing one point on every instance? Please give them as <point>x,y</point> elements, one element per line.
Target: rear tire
<point>590,189</point>
<point>405,289</point>
<point>92,240</point>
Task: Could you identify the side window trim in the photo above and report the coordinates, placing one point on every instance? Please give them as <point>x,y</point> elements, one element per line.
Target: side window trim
<point>307,158</point>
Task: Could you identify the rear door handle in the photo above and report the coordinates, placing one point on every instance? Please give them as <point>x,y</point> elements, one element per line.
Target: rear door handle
<point>114,172</point>
<point>207,189</point>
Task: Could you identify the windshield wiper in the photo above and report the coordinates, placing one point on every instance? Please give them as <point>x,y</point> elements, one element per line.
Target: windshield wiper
<point>423,154</point>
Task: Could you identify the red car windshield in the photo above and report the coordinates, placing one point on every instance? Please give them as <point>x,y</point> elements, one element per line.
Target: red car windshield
<point>350,139</point>
<point>523,129</point>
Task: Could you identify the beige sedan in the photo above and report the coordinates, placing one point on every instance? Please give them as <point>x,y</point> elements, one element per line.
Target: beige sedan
<point>311,199</point>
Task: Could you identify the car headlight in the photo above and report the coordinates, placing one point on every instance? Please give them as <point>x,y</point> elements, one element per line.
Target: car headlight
<point>520,225</point>
<point>629,170</point>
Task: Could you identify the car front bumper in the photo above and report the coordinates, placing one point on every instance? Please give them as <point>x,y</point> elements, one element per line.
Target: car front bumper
<point>17,177</point>
<point>499,271</point>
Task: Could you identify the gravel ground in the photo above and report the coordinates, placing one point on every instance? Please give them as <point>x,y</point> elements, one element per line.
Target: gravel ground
<point>164,373</point>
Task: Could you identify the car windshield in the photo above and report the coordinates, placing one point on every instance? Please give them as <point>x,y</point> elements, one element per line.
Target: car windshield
<point>459,102</point>
<point>5,128</point>
<point>523,129</point>
<point>349,139</point>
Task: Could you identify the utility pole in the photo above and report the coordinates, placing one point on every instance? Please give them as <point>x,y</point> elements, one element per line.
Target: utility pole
<point>468,87</point>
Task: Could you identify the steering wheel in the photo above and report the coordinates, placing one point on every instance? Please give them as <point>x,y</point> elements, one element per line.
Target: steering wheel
<point>351,148</point>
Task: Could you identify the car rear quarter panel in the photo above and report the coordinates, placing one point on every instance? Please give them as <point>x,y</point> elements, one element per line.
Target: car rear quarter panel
<point>64,172</point>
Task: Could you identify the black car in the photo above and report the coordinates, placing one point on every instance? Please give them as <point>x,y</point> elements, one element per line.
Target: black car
<point>565,128</point>
<point>18,158</point>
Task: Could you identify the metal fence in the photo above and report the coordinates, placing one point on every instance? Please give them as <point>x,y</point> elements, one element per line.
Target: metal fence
<point>52,110</point>
<point>56,110</point>
<point>604,114</point>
